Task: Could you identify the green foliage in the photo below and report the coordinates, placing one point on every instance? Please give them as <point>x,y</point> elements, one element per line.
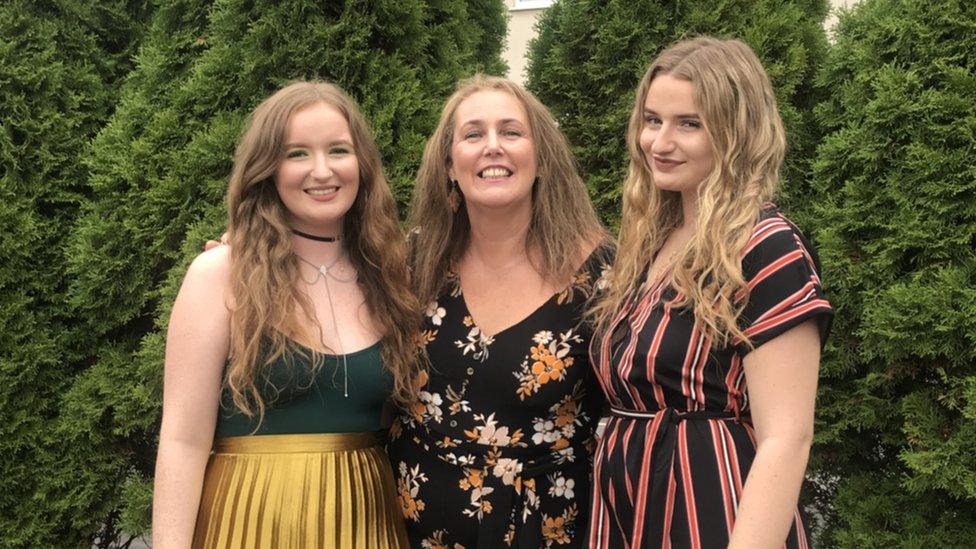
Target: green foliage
<point>60,62</point>
<point>159,171</point>
<point>589,55</point>
<point>895,204</point>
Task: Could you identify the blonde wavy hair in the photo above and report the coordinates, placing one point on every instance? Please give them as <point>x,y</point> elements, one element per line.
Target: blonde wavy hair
<point>738,110</point>
<point>562,215</point>
<point>269,306</point>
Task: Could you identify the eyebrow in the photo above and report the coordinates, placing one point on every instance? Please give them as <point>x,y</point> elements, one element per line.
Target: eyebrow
<point>682,115</point>
<point>332,144</point>
<point>477,121</point>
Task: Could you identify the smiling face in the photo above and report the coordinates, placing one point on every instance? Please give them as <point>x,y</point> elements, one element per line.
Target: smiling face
<point>492,153</point>
<point>318,175</point>
<point>676,146</point>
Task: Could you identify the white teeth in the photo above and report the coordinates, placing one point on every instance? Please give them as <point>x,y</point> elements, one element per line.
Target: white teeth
<point>322,192</point>
<point>496,172</point>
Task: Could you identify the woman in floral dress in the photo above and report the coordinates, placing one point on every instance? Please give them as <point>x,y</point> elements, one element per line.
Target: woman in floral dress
<point>507,251</point>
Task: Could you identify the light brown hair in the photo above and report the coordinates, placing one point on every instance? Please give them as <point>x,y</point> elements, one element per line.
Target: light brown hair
<point>738,110</point>
<point>269,307</point>
<point>562,215</point>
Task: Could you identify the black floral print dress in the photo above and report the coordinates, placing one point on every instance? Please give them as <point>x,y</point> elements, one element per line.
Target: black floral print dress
<point>497,451</point>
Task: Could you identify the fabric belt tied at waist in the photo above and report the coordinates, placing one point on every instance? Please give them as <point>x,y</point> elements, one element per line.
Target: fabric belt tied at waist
<point>673,416</point>
<point>664,425</point>
<point>506,502</point>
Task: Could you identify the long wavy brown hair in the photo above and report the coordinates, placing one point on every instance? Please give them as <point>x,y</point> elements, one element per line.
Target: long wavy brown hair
<point>738,110</point>
<point>269,307</point>
<point>562,215</point>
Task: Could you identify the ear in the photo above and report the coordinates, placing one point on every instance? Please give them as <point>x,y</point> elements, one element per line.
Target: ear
<point>450,170</point>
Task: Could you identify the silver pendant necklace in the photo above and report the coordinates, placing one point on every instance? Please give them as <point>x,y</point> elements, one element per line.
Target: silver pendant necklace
<point>325,272</point>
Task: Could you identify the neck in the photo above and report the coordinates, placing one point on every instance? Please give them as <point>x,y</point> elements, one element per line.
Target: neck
<point>319,253</point>
<point>498,236</point>
<point>689,210</point>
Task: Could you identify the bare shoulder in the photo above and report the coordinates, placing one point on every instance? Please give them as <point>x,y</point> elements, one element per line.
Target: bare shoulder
<point>207,280</point>
<point>211,267</point>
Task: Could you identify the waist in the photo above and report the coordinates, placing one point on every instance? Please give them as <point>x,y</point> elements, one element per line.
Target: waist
<point>677,415</point>
<point>294,444</point>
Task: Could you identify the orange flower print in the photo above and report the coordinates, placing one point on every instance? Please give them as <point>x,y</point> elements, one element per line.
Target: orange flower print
<point>547,362</point>
<point>474,478</point>
<point>554,529</point>
<point>408,486</point>
<point>548,367</point>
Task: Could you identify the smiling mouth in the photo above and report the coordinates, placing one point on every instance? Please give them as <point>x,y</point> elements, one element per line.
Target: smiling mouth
<point>322,191</point>
<point>667,161</point>
<point>494,172</point>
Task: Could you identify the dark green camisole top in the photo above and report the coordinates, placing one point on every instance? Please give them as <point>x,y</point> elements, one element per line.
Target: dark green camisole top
<point>296,402</point>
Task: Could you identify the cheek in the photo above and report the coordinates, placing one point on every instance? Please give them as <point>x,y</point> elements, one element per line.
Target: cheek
<point>284,176</point>
<point>705,156</point>
<point>645,140</point>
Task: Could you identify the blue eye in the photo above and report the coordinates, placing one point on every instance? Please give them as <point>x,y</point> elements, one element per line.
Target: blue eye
<point>652,120</point>
<point>295,153</point>
<point>691,124</point>
<point>340,151</point>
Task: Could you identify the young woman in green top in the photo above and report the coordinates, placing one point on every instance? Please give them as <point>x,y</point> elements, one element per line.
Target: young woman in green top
<point>286,344</point>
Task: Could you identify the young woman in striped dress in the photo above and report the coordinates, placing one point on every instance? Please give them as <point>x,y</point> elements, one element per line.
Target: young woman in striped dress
<point>713,290</point>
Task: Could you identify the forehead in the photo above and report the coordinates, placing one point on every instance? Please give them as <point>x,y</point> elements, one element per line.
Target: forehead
<point>490,106</point>
<point>668,94</point>
<point>317,121</point>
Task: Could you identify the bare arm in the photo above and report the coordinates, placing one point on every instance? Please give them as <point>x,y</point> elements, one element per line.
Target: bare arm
<point>781,377</point>
<point>197,345</point>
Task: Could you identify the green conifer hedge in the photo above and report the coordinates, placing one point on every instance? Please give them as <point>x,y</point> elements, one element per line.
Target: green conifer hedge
<point>60,64</point>
<point>589,56</point>
<point>895,211</point>
<point>159,170</point>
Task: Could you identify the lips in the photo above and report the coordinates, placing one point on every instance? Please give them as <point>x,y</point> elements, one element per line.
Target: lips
<point>666,164</point>
<point>322,193</point>
<point>494,172</point>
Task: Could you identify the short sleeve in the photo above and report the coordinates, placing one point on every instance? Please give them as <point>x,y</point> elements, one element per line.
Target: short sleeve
<point>599,263</point>
<point>782,274</point>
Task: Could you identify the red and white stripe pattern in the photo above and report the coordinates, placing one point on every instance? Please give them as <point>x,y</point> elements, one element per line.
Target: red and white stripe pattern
<point>673,461</point>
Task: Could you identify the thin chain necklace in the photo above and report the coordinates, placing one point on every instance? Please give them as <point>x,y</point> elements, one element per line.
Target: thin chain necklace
<point>325,273</point>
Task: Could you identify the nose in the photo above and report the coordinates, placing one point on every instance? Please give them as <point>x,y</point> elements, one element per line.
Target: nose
<point>492,143</point>
<point>662,140</point>
<point>321,169</point>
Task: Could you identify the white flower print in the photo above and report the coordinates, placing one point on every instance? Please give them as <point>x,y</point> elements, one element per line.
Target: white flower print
<point>542,337</point>
<point>603,282</point>
<point>506,469</point>
<point>545,431</point>
<point>490,434</point>
<point>477,344</point>
<point>435,313</point>
<point>561,487</point>
<point>432,405</point>
<point>494,436</point>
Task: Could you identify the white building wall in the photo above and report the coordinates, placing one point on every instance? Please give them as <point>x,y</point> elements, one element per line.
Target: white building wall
<point>521,29</point>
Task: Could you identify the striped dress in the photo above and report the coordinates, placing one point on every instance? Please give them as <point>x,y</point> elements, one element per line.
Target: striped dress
<point>670,467</point>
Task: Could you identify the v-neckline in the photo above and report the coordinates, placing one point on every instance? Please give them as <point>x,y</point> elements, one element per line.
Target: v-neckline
<point>474,322</point>
<point>532,313</point>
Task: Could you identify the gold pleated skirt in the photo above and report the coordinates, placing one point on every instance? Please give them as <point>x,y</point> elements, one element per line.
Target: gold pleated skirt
<point>299,491</point>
